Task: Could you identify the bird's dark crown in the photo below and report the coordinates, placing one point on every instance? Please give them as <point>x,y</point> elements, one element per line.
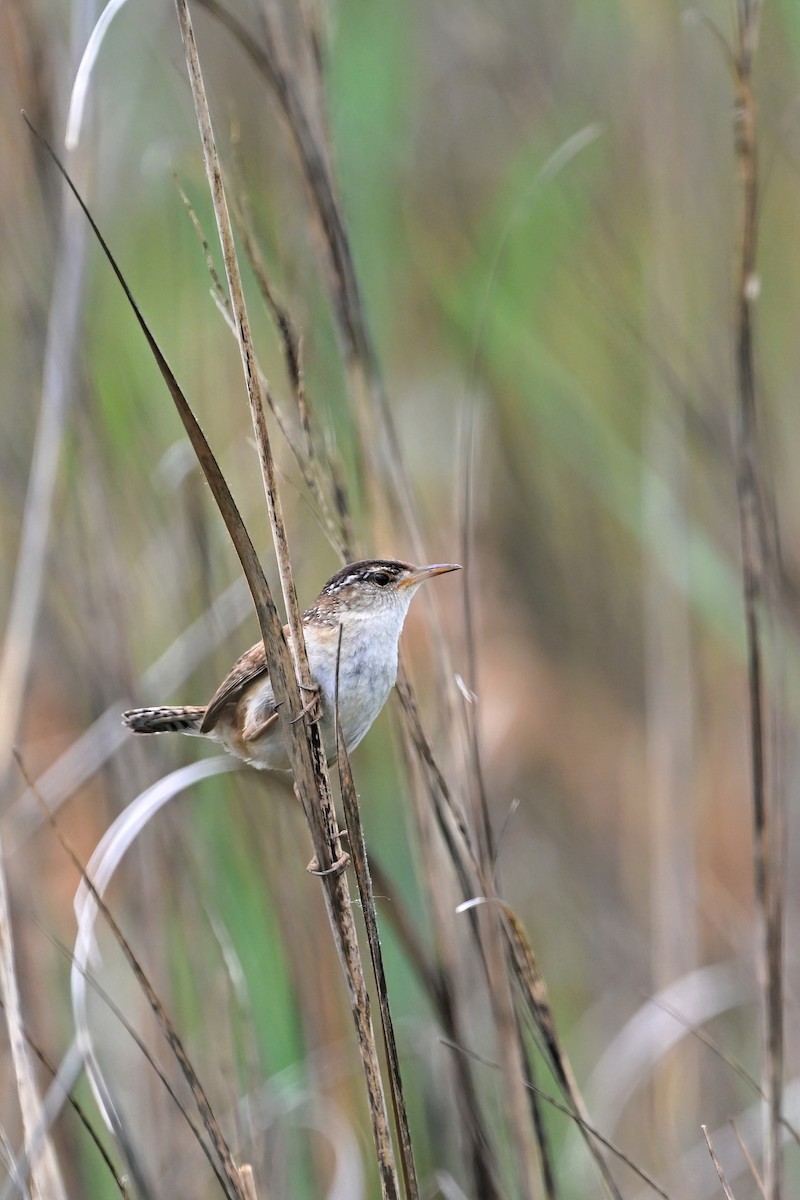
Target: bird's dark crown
<point>381,572</point>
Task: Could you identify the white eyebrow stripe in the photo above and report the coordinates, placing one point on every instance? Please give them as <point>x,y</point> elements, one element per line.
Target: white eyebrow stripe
<point>340,583</point>
<point>366,573</point>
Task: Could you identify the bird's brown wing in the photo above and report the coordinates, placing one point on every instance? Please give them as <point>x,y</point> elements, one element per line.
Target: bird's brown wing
<point>250,666</point>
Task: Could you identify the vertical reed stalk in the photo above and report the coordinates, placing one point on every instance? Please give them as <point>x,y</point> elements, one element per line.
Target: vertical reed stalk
<point>758,547</point>
<point>302,737</point>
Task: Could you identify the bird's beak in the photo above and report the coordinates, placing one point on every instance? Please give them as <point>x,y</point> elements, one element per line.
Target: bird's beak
<point>422,573</point>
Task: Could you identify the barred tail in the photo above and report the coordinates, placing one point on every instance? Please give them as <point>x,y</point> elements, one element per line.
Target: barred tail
<point>164,720</point>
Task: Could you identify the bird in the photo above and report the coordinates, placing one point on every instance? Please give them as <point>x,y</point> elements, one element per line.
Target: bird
<point>367,601</point>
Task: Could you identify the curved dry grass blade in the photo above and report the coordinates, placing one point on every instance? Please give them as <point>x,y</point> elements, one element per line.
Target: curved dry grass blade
<point>268,619</point>
<point>150,1059</point>
<point>80,88</point>
<point>56,397</point>
<point>358,856</point>
<point>629,1057</point>
<point>302,739</point>
<point>303,744</point>
<point>89,903</point>
<point>729,1059</point>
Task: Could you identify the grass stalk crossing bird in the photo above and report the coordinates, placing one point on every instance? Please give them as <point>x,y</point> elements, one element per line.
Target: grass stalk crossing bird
<point>368,601</point>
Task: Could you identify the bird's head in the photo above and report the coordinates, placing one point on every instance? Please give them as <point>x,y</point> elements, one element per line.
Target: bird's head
<point>371,587</point>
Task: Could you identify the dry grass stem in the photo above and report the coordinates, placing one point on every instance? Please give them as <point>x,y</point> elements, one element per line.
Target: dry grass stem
<point>476,382</point>
<point>248,1182</point>
<point>303,739</point>
<point>82,1116</point>
<point>759,562</point>
<point>223,302</point>
<point>336,522</point>
<point>477,879</point>
<point>534,992</point>
<point>312,467</point>
<point>230,1172</point>
<point>151,1061</point>
<point>481,820</point>
<point>245,341</point>
<point>589,1130</point>
<point>45,1177</point>
<point>748,1158</point>
<point>717,1166</point>
<point>364,382</point>
<point>729,1059</point>
<point>360,863</point>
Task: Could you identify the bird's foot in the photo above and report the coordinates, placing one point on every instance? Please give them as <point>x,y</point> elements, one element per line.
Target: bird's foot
<point>336,867</point>
<point>312,707</point>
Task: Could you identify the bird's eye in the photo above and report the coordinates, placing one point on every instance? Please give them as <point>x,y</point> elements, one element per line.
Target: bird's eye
<point>381,578</point>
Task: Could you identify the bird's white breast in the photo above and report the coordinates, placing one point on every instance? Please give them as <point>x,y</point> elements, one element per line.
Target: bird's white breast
<point>367,673</point>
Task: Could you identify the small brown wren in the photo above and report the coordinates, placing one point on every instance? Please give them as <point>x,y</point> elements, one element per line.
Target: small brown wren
<point>368,601</point>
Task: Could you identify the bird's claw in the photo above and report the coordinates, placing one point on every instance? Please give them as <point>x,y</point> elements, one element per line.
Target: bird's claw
<point>335,868</point>
<point>312,706</point>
